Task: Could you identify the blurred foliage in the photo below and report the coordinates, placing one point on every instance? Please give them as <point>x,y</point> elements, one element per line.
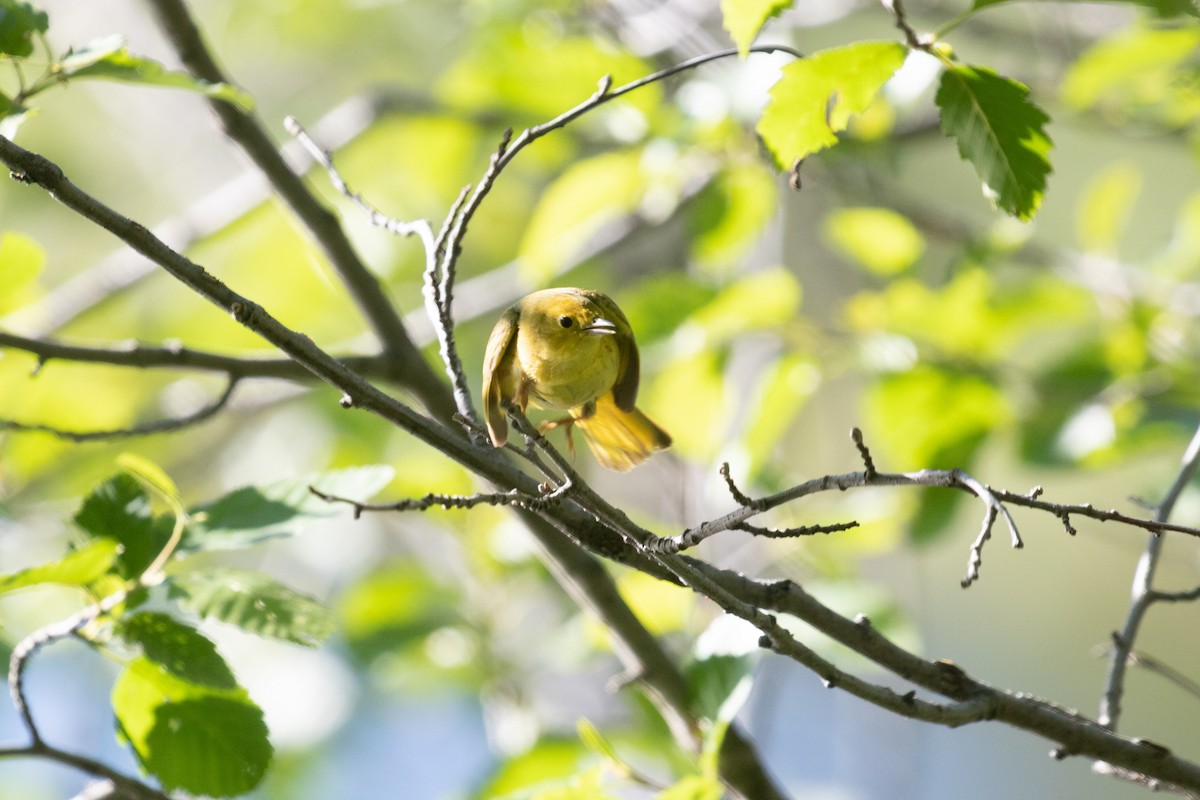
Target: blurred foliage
<point>1057,331</point>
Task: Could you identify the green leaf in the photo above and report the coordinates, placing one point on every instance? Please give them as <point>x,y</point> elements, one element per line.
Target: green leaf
<point>178,648</point>
<point>19,23</point>
<point>715,681</point>
<point>202,740</point>
<point>254,602</point>
<point>575,207</point>
<point>395,608</point>
<point>726,218</point>
<point>879,239</point>
<point>745,18</point>
<point>933,418</point>
<point>1140,69</point>
<point>816,96</point>
<point>110,60</point>
<point>1000,132</point>
<point>253,514</point>
<point>21,261</point>
<point>78,568</point>
<point>1104,207</point>
<point>119,509</point>
<point>548,760</point>
<point>781,393</point>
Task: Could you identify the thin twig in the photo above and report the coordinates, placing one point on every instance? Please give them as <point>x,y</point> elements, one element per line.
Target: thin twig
<point>1143,591</point>
<point>448,501</point>
<point>436,291</point>
<point>158,426</point>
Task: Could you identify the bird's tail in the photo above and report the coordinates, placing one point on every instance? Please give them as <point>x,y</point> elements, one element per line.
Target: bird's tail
<point>619,439</point>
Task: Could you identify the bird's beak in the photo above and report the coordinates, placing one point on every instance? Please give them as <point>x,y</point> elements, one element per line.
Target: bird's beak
<point>600,326</point>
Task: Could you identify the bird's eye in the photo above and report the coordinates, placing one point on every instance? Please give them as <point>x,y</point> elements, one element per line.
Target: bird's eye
<point>566,322</point>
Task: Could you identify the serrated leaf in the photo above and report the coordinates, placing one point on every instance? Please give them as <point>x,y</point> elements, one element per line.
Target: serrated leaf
<point>19,23</point>
<point>816,96</point>
<point>255,603</point>
<point>119,509</point>
<point>118,64</point>
<point>1000,132</point>
<point>178,648</point>
<point>78,568</point>
<point>253,514</point>
<point>202,740</point>
<point>745,18</point>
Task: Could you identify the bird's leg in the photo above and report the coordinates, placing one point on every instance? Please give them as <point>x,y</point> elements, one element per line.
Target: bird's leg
<point>565,422</point>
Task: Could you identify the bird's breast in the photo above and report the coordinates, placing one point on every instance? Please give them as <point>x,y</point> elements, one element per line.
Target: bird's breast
<point>570,373</point>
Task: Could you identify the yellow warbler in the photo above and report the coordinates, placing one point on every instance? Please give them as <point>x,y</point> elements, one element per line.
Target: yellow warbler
<point>571,349</point>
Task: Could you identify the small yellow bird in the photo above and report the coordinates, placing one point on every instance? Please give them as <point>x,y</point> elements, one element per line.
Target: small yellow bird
<point>571,349</point>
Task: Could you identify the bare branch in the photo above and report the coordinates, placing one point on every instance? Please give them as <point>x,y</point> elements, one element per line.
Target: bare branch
<point>1143,595</point>
<point>245,130</point>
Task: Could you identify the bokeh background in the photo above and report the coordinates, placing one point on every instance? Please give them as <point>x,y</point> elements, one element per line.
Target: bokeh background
<point>886,293</point>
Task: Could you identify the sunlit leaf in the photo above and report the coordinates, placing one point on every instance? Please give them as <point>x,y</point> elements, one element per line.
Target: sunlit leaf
<point>596,741</point>
<point>931,417</point>
<point>80,567</point>
<point>393,609</point>
<point>19,23</point>
<point>253,602</point>
<point>662,606</point>
<point>817,95</point>
<point>548,760</point>
<point>253,514</point>
<point>745,18</point>
<point>1104,207</point>
<point>540,75</point>
<point>1001,132</point>
<point>178,648</point>
<point>782,392</point>
<point>103,60</point>
<point>729,214</point>
<point>759,300</point>
<point>879,239</point>
<point>1139,69</point>
<point>698,425</point>
<point>589,195</point>
<point>21,261</point>
<point>202,740</point>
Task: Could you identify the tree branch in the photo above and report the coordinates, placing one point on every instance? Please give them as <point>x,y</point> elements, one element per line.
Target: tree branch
<point>1143,595</point>
<point>245,130</point>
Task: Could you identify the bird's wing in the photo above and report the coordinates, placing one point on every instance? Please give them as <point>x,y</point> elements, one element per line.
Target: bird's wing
<point>496,363</point>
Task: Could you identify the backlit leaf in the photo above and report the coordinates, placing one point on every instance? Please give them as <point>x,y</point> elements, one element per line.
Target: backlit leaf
<point>178,648</point>
<point>879,239</point>
<point>19,23</point>
<point>817,95</point>
<point>21,261</point>
<point>745,18</point>
<point>78,568</point>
